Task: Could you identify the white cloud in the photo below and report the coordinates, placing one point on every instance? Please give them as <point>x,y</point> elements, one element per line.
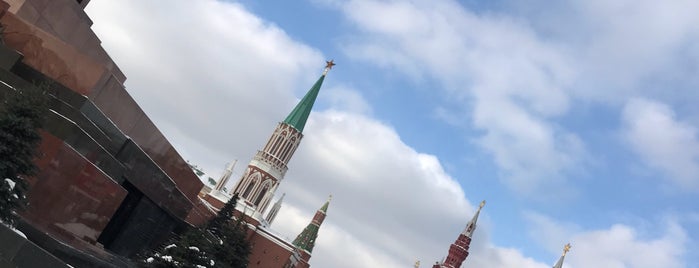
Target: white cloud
<point>345,99</point>
<point>619,246</point>
<point>662,141</point>
<point>217,84</point>
<point>497,257</point>
<point>216,78</point>
<point>208,74</point>
<point>519,72</point>
<point>386,196</point>
<point>514,78</point>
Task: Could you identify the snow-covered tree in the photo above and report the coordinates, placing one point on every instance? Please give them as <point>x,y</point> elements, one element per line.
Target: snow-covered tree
<point>221,243</point>
<point>232,234</point>
<point>21,115</point>
<point>189,250</point>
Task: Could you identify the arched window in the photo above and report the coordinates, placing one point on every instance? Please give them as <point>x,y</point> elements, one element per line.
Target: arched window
<point>249,189</point>
<point>277,144</point>
<point>261,195</point>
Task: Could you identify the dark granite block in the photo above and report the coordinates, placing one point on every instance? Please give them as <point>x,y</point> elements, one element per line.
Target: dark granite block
<point>11,243</point>
<point>33,256</point>
<point>8,57</point>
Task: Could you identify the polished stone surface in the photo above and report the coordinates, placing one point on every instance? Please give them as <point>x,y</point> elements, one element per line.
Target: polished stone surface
<point>107,173</point>
<point>16,251</point>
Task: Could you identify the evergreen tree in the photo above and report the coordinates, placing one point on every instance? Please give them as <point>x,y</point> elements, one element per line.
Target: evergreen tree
<point>234,247</point>
<point>223,216</point>
<point>21,115</point>
<point>222,243</point>
<point>189,250</point>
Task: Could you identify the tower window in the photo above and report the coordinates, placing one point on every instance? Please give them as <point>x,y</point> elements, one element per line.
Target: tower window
<point>261,195</point>
<point>248,189</point>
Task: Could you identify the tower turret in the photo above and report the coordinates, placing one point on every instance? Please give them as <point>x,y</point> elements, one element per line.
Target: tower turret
<point>306,239</point>
<point>458,251</point>
<point>274,210</point>
<point>225,176</point>
<point>268,167</point>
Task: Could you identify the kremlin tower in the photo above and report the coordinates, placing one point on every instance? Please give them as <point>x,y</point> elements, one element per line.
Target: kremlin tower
<point>258,184</point>
<point>458,251</point>
<point>305,241</point>
<point>268,167</point>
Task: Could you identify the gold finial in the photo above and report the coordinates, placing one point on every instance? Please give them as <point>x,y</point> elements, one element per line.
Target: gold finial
<point>566,248</point>
<point>417,264</point>
<point>482,204</point>
<point>330,197</point>
<point>328,65</point>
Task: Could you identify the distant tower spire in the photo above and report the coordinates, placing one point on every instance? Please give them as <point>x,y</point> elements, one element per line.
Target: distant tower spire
<point>471,226</point>
<point>274,210</point>
<point>225,176</point>
<point>559,264</point>
<point>458,251</point>
<point>307,239</point>
<point>268,167</point>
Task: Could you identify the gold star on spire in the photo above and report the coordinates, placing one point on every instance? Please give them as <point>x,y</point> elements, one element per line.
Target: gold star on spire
<point>566,248</point>
<point>328,65</point>
<point>482,204</point>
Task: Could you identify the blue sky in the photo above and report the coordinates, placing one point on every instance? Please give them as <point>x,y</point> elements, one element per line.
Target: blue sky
<point>576,121</point>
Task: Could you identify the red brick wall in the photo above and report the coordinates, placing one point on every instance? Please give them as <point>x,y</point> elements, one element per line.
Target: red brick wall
<point>267,254</point>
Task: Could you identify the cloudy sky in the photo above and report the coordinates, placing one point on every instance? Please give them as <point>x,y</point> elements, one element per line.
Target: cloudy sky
<point>576,120</point>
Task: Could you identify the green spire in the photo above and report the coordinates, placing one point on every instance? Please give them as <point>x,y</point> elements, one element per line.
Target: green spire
<point>324,208</point>
<point>307,239</point>
<point>298,117</point>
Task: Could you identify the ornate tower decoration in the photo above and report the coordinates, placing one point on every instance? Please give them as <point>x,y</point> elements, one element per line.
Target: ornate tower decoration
<point>559,264</point>
<point>458,251</point>
<point>226,175</point>
<point>268,167</point>
<point>307,239</point>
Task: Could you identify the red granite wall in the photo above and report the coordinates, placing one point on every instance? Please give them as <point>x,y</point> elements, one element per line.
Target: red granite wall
<point>40,30</point>
<point>70,196</point>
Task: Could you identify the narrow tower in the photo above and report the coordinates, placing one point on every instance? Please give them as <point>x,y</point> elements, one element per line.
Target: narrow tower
<point>458,251</point>
<point>305,241</point>
<point>274,210</point>
<point>268,167</point>
<point>559,264</point>
<point>225,176</point>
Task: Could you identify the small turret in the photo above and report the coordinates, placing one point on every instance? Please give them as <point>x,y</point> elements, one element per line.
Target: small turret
<point>225,176</point>
<point>274,210</point>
